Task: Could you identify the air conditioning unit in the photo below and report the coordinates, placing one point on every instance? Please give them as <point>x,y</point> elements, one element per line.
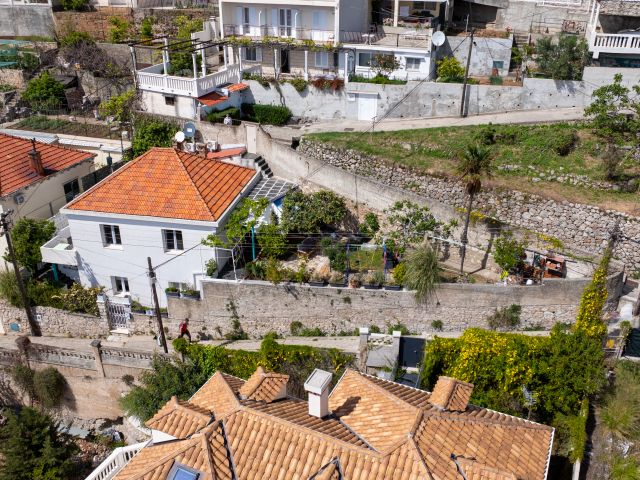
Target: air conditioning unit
<point>18,198</point>
<point>212,146</point>
<point>190,147</point>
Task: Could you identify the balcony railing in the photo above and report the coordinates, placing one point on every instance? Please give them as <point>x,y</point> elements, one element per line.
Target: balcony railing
<point>383,36</point>
<point>115,462</point>
<point>152,79</point>
<point>59,250</point>
<point>613,43</point>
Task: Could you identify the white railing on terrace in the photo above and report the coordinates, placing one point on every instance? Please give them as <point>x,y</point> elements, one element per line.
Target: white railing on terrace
<point>115,462</point>
<point>613,43</point>
<point>192,87</point>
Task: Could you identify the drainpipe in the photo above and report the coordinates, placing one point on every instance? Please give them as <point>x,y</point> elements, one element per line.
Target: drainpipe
<point>336,24</point>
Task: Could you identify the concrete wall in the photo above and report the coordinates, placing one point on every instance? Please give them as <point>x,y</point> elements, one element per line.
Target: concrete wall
<point>484,53</point>
<point>140,239</point>
<point>183,107</point>
<point>263,307</point>
<point>431,99</point>
<point>26,20</point>
<point>95,23</point>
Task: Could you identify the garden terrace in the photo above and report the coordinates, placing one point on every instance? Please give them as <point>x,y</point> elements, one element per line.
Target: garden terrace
<point>560,161</point>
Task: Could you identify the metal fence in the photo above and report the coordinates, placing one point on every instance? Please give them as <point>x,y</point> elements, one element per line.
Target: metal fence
<point>90,180</point>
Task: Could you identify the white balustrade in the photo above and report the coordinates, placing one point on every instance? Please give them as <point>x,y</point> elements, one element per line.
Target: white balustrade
<point>115,462</point>
<point>614,43</point>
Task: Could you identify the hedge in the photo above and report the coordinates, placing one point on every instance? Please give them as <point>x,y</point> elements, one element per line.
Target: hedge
<point>266,114</point>
<point>218,116</point>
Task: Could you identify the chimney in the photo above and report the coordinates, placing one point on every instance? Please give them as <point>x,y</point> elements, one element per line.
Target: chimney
<point>451,395</point>
<point>317,386</point>
<point>36,160</point>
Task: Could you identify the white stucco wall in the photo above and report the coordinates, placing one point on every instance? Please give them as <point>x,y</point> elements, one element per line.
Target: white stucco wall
<point>401,56</point>
<point>141,238</point>
<point>154,102</point>
<point>354,16</point>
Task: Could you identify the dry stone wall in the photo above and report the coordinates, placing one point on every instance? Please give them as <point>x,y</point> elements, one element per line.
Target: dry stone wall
<point>582,227</point>
<point>263,307</point>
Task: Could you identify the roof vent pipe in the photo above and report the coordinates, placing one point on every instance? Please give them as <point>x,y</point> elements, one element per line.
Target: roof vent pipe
<point>317,386</point>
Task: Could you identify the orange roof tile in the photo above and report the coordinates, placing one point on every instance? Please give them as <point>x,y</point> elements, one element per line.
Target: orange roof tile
<point>218,395</point>
<point>229,152</point>
<point>180,419</point>
<point>211,99</point>
<point>265,387</point>
<point>170,184</point>
<point>451,394</point>
<point>279,439</point>
<point>236,87</point>
<point>15,164</point>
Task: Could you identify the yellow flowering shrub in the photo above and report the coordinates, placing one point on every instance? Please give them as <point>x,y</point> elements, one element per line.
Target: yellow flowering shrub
<point>589,319</point>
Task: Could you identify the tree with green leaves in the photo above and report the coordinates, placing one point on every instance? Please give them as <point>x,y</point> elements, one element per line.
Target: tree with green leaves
<point>28,235</point>
<point>119,30</point>
<point>422,271</point>
<point>312,213</point>
<point>450,70</point>
<point>564,60</point>
<point>120,106</point>
<point>33,449</point>
<point>385,64</point>
<point>76,5</point>
<point>239,224</point>
<point>45,93</point>
<point>615,113</point>
<point>474,165</point>
<point>272,240</point>
<point>152,133</point>
<point>508,252</point>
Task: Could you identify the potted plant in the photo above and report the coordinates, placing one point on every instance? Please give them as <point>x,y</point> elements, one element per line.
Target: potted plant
<point>136,307</point>
<point>392,284</point>
<point>212,267</point>
<point>317,280</point>
<point>337,279</point>
<point>172,292</point>
<point>372,281</point>
<point>355,280</point>
<point>190,292</point>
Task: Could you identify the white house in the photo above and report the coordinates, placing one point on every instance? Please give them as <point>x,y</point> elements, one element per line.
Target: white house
<point>614,33</point>
<point>37,179</point>
<point>160,205</point>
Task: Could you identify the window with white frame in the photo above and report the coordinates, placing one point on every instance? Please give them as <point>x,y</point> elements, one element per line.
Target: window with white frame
<point>111,235</point>
<point>120,285</point>
<point>179,285</point>
<point>322,59</point>
<point>172,240</point>
<point>364,59</point>
<point>246,20</point>
<point>413,63</point>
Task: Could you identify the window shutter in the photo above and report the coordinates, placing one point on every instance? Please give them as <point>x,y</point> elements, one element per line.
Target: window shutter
<point>258,54</point>
<point>274,21</point>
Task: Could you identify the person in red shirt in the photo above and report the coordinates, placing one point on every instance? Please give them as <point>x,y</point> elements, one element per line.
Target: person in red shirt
<point>184,329</point>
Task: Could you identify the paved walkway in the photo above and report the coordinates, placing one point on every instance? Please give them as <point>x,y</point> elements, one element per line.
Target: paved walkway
<point>519,117</point>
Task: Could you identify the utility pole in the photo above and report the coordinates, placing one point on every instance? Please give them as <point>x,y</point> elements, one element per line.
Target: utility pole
<point>152,280</point>
<point>4,223</point>
<point>466,75</point>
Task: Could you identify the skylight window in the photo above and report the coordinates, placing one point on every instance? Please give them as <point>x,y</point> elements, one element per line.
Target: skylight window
<point>180,472</point>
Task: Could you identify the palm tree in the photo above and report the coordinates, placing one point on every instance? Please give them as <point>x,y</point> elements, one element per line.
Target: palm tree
<point>423,272</point>
<point>476,163</point>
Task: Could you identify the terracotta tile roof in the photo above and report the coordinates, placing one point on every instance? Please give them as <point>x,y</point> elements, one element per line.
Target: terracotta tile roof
<point>170,184</point>
<point>213,98</point>
<point>264,387</point>
<point>15,165</point>
<point>180,419</point>
<point>218,395</point>
<point>205,452</point>
<point>229,152</point>
<point>411,438</point>
<point>236,87</point>
<point>451,394</point>
<point>379,417</point>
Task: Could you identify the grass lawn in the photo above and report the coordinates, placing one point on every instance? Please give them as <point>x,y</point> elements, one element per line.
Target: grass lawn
<point>363,260</point>
<point>531,149</point>
<point>40,123</point>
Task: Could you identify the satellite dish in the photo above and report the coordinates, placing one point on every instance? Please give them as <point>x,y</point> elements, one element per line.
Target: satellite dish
<point>179,137</point>
<point>438,38</point>
<point>189,130</point>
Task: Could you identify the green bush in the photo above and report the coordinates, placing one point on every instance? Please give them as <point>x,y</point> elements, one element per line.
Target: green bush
<point>146,28</point>
<point>44,93</point>
<point>28,235</point>
<point>218,116</point>
<point>295,328</point>
<point>211,267</point>
<point>180,345</point>
<point>505,317</point>
<point>313,213</point>
<point>437,325</point>
<point>300,84</point>
<point>450,70</point>
<point>75,39</point>
<point>378,80</point>
<point>336,252</point>
<point>257,269</point>
<point>80,299</point>
<point>495,80</point>
<point>508,252</point>
<point>272,240</point>
<point>486,135</point>
<point>266,114</point>
<point>49,385</point>
<point>119,30</point>
<point>370,225</point>
<point>23,378</point>
<point>151,133</point>
<point>74,4</point>
<point>399,273</point>
<point>398,327</point>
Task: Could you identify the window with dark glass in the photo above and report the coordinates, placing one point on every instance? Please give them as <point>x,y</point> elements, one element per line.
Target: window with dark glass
<point>71,190</point>
<point>111,235</point>
<point>172,240</point>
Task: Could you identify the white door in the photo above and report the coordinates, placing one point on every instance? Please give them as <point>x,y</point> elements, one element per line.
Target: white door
<point>367,106</point>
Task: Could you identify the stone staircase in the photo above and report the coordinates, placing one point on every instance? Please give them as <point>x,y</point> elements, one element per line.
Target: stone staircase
<point>261,164</point>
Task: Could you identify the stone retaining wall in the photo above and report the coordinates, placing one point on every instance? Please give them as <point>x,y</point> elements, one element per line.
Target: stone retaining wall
<point>264,307</point>
<point>52,322</point>
<point>578,226</point>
